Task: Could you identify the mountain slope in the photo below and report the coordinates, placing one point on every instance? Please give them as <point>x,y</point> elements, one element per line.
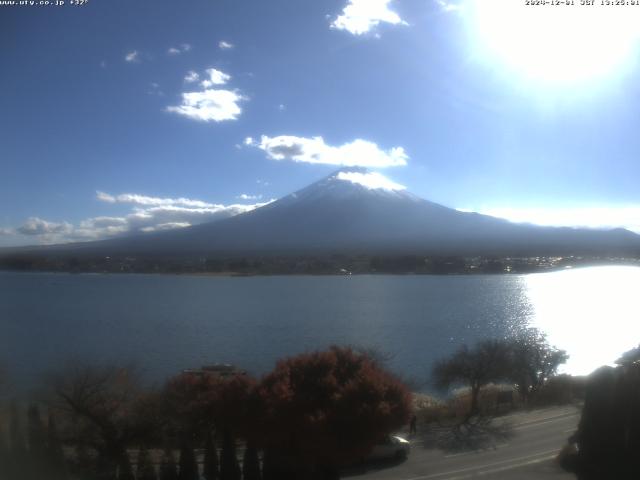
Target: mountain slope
<point>343,213</point>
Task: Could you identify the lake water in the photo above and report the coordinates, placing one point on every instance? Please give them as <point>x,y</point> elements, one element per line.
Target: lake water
<point>167,323</point>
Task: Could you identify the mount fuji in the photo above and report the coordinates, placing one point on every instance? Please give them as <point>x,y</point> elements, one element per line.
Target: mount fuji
<point>360,212</point>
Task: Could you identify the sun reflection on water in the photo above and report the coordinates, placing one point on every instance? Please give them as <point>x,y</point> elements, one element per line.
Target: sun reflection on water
<point>590,312</point>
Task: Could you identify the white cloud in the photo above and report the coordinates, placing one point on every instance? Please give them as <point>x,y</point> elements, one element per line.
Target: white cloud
<point>165,226</point>
<point>173,51</point>
<point>94,229</point>
<point>146,201</point>
<point>191,77</point>
<point>222,45</point>
<point>104,222</point>
<point>151,217</point>
<point>148,214</point>
<point>210,105</point>
<point>448,6</point>
<point>161,213</point>
<point>370,180</point>
<point>132,57</point>
<point>155,90</point>
<point>245,196</point>
<point>359,153</point>
<point>105,197</point>
<point>589,217</point>
<point>37,226</point>
<point>360,16</point>
<point>282,107</point>
<point>216,77</point>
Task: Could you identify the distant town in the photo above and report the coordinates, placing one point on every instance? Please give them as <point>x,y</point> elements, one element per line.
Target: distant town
<point>338,264</point>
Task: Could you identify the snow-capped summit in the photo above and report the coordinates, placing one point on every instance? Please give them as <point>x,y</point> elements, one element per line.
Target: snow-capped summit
<point>370,180</point>
<point>348,183</point>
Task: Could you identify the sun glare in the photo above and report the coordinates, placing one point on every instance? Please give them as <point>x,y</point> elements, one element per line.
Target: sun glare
<point>590,312</point>
<point>561,44</point>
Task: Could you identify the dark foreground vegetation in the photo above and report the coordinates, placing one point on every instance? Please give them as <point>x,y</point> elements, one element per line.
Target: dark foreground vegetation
<point>607,443</point>
<point>310,416</point>
<point>301,265</point>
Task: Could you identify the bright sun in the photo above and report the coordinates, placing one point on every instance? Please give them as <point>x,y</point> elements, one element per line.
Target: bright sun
<point>556,43</point>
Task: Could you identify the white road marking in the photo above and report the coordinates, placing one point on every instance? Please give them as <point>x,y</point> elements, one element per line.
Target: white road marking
<point>528,459</point>
<point>550,420</point>
<point>453,455</point>
<point>502,469</point>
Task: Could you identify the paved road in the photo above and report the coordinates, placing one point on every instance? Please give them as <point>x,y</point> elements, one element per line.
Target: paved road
<point>527,455</point>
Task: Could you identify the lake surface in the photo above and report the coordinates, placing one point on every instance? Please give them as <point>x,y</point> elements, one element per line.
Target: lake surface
<point>167,323</point>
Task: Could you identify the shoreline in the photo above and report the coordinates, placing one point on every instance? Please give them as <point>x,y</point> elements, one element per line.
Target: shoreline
<point>241,274</point>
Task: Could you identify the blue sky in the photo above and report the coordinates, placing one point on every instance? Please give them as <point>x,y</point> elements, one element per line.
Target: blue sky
<point>119,116</point>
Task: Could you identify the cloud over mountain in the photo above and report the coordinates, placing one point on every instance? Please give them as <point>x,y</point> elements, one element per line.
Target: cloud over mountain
<point>358,153</point>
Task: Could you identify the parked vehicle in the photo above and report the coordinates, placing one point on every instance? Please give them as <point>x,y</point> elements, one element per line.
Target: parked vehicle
<point>391,447</point>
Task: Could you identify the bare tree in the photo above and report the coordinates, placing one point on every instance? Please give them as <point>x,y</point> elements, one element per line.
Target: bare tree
<point>103,406</point>
<point>474,367</point>
<point>533,361</point>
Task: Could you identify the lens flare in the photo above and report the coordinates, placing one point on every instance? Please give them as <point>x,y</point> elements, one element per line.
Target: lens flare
<point>556,43</point>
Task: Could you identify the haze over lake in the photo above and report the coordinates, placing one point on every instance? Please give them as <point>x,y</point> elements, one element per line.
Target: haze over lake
<point>167,323</point>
